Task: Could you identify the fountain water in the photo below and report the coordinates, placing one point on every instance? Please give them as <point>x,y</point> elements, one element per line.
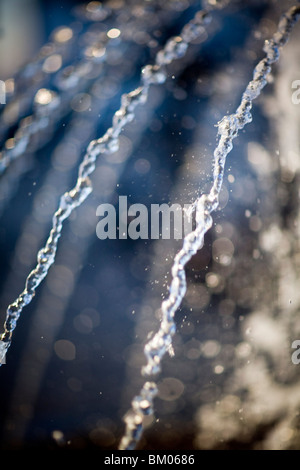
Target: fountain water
<point>88,88</point>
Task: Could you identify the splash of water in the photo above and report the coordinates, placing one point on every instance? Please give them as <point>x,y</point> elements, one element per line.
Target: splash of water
<point>174,49</point>
<point>228,128</point>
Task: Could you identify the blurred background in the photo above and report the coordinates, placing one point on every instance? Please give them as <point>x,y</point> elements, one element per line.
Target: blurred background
<point>76,355</point>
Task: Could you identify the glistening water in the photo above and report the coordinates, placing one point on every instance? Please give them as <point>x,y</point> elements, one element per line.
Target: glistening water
<point>75,359</point>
